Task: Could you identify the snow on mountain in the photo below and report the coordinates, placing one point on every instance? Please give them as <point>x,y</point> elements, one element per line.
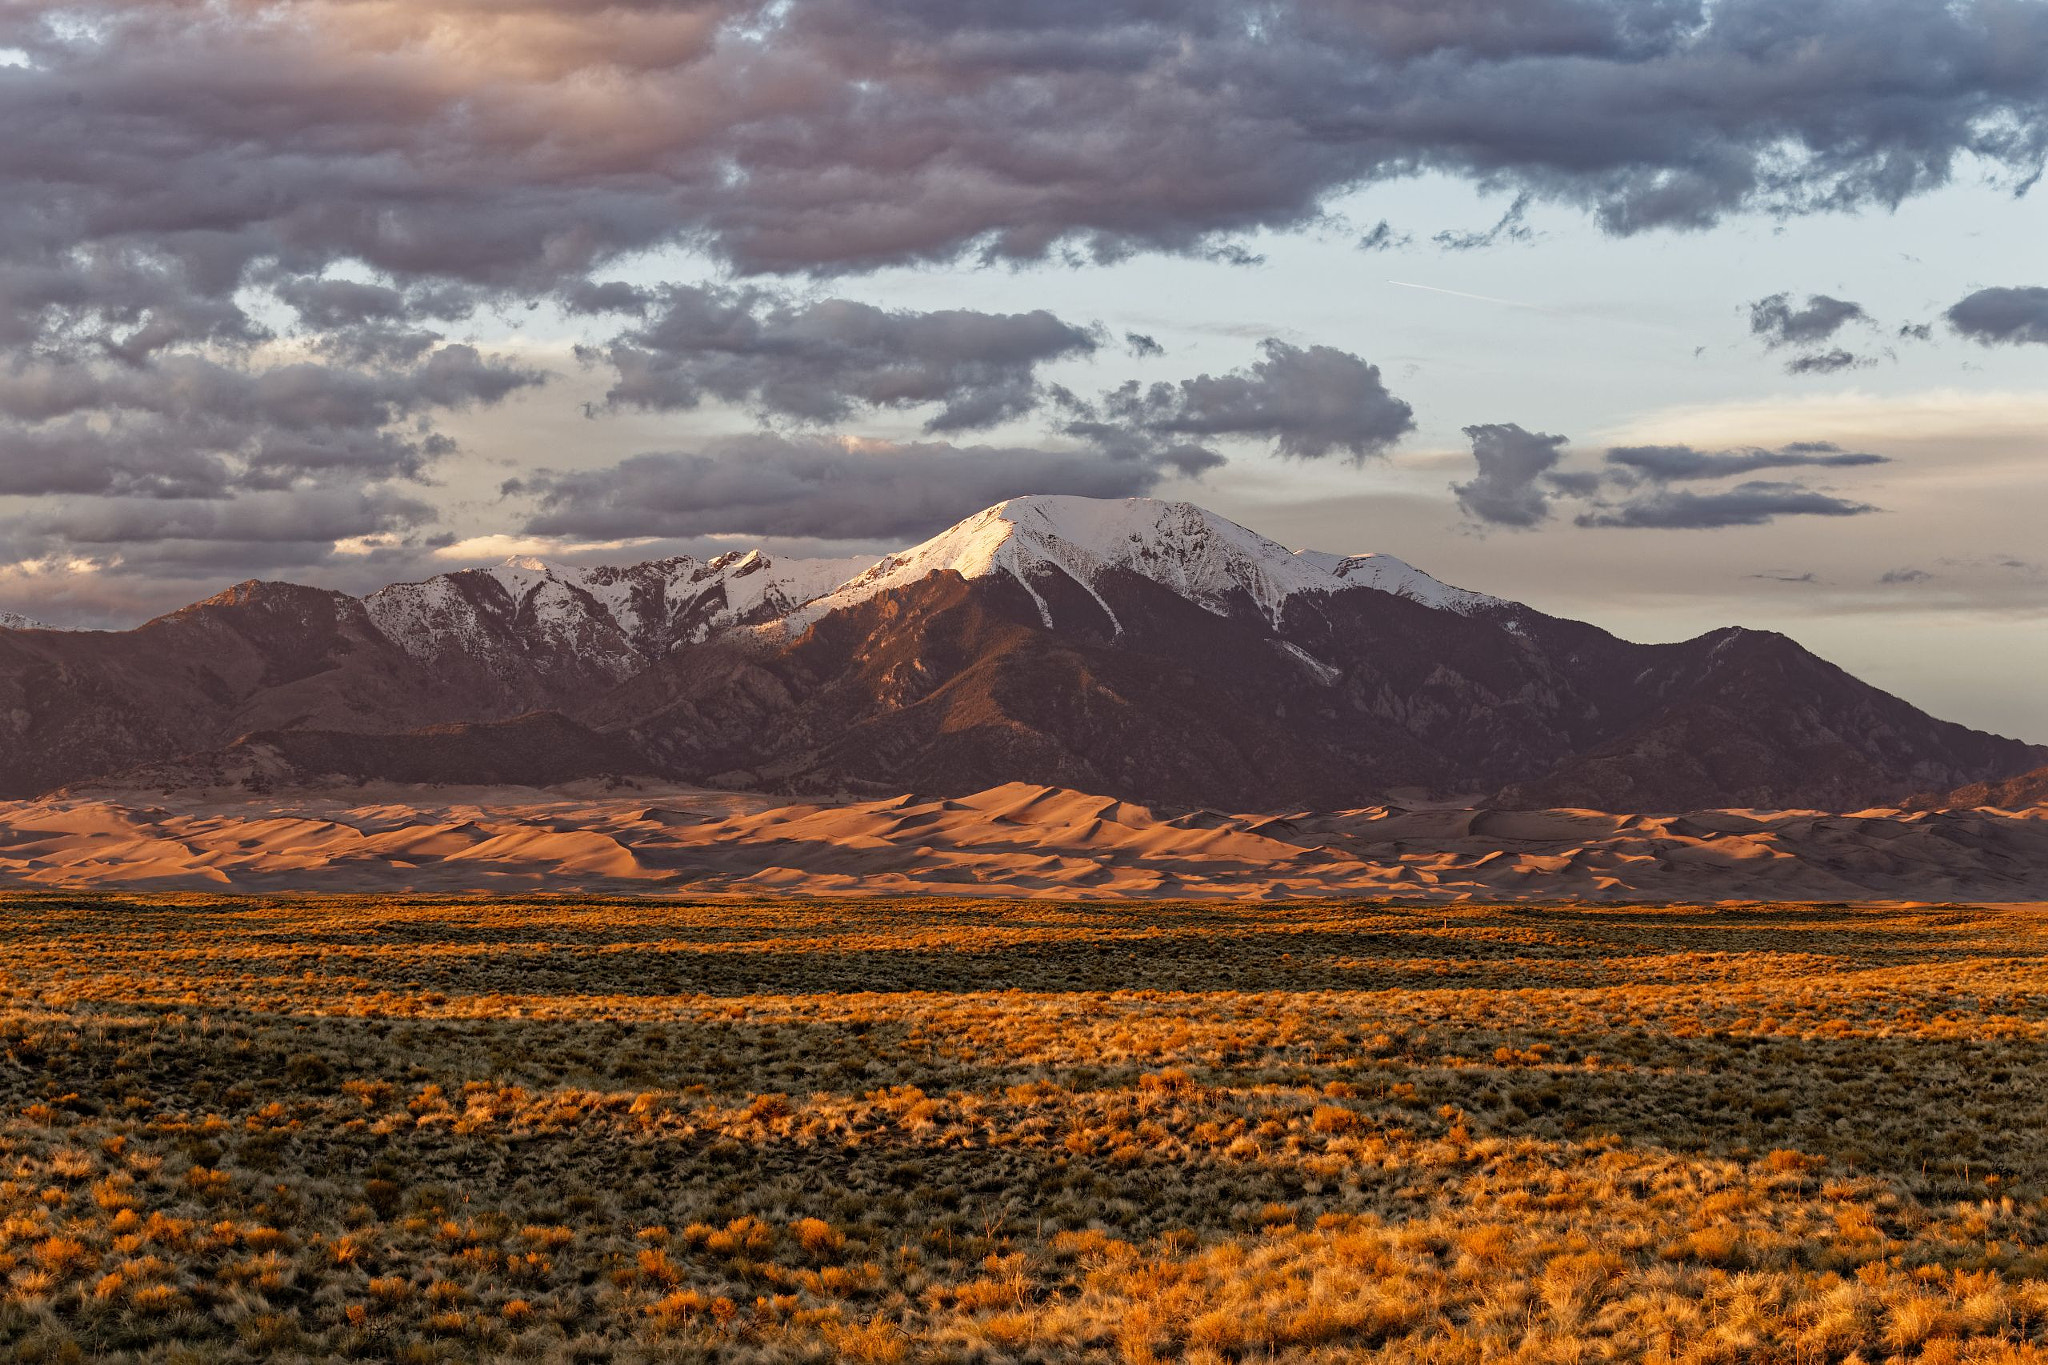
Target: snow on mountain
<point>672,601</point>
<point>618,617</point>
<point>10,620</point>
<point>615,618</point>
<point>1402,579</point>
<point>1191,550</point>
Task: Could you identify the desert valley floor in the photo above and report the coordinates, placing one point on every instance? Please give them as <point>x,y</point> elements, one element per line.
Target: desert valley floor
<point>1011,840</point>
<point>423,1130</point>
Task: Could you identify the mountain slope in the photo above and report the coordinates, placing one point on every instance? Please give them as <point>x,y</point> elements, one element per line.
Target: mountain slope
<point>948,683</point>
<point>258,656</point>
<point>1055,663</point>
<point>538,749</point>
<point>2014,793</point>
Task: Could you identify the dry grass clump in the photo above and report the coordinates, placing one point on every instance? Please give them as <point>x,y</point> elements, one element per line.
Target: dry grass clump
<point>426,1131</point>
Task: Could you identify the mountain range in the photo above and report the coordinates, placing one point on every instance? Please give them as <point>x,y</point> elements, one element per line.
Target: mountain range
<point>1142,649</point>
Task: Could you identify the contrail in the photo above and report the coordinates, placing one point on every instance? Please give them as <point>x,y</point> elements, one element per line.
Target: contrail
<point>1483,298</point>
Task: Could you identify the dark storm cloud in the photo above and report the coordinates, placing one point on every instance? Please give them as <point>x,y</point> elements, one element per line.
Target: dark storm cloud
<point>1780,324</point>
<point>824,360</point>
<point>1747,504</point>
<point>1515,481</point>
<point>2009,315</point>
<point>1674,463</point>
<point>1310,402</point>
<point>775,485</point>
<point>516,145</point>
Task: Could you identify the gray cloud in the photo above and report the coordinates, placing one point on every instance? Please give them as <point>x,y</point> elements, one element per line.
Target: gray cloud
<point>1826,362</point>
<point>183,425</point>
<point>1143,345</point>
<point>1518,483</point>
<point>1779,324</point>
<point>1674,463</point>
<point>1895,576</point>
<point>1515,481</point>
<point>2014,316</point>
<point>1510,227</point>
<point>823,360</point>
<point>1381,236</point>
<point>1310,402</point>
<point>177,545</point>
<point>1747,504</point>
<point>842,134</point>
<point>775,485</point>
<point>268,519</point>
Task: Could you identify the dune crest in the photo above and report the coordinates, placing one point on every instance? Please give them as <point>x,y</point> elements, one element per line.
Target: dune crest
<point>1016,839</point>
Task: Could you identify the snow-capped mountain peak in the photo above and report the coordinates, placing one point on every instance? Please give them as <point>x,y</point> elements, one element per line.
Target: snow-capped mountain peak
<point>607,622</point>
<point>10,620</point>
<point>1208,559</point>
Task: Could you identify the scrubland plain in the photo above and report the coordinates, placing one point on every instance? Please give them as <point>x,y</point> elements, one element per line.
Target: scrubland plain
<point>928,1130</point>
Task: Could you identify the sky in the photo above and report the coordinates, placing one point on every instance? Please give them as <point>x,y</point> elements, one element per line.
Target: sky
<point>1657,314</point>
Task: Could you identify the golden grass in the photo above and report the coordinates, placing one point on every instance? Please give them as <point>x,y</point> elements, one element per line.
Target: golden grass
<point>908,1131</point>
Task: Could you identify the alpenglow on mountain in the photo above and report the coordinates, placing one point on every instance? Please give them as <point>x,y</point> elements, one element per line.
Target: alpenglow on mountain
<point>1143,649</point>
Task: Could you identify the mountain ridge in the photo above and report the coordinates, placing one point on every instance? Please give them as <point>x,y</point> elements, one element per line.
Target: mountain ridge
<point>1147,650</point>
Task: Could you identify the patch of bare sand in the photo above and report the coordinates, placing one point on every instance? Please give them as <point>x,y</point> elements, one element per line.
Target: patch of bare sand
<point>1012,840</point>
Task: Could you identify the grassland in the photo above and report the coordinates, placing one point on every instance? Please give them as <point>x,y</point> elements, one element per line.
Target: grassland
<point>943,1131</point>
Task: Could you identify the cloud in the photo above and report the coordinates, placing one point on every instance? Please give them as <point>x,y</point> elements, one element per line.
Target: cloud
<point>1519,481</point>
<point>1669,463</point>
<point>249,533</point>
<point>180,424</point>
<point>2012,316</point>
<point>515,145</point>
<point>1645,474</point>
<point>1381,236</point>
<point>1826,362</point>
<point>1747,504</point>
<point>823,360</point>
<point>1781,576</point>
<point>1141,344</point>
<point>1895,576</point>
<point>777,485</point>
<point>1310,402</point>
<point>1510,227</point>
<point>2009,563</point>
<point>1779,324</point>
<point>235,238</point>
<point>1515,481</point>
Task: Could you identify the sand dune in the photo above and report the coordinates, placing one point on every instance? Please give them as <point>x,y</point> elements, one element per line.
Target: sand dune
<point>1011,840</point>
